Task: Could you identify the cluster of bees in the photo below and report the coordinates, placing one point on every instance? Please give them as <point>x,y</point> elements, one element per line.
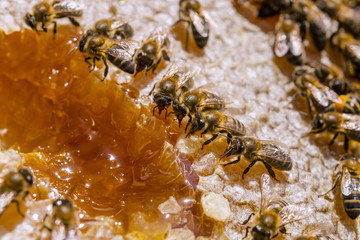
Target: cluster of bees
<point>334,98</point>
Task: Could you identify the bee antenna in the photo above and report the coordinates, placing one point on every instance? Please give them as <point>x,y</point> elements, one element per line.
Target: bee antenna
<point>73,49</point>
<point>225,136</point>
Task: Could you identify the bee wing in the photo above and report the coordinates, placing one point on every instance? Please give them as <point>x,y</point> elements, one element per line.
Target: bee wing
<point>200,23</point>
<point>187,80</point>
<point>296,44</point>
<point>159,35</point>
<point>281,45</point>
<point>265,190</point>
<point>273,152</point>
<point>323,94</point>
<point>351,122</point>
<point>213,87</point>
<point>5,199</point>
<point>293,213</point>
<point>68,8</point>
<point>347,185</point>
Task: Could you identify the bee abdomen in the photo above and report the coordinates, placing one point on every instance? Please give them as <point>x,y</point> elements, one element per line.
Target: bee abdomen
<point>352,204</point>
<point>201,39</point>
<point>120,58</point>
<point>280,159</point>
<point>277,205</point>
<point>352,105</point>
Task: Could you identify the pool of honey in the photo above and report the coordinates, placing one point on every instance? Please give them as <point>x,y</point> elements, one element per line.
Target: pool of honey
<point>92,141</point>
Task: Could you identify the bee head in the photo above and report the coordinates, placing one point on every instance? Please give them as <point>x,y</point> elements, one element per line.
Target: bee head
<point>31,21</point>
<point>259,233</point>
<point>162,101</point>
<point>143,60</point>
<point>84,39</point>
<point>197,124</point>
<point>27,175</point>
<point>318,123</point>
<point>63,209</point>
<point>236,147</point>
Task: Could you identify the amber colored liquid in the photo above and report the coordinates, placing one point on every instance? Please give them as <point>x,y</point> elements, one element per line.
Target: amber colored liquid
<point>78,133</point>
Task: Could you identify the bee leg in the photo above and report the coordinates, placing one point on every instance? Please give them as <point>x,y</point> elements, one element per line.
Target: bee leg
<point>271,172</point>
<point>309,105</point>
<point>346,143</point>
<point>165,55</point>
<point>333,139</point>
<point>87,60</point>
<point>93,64</point>
<point>248,219</point>
<point>106,68</point>
<point>187,36</point>
<point>248,168</point>
<point>73,21</point>
<point>43,27</point>
<point>54,31</point>
<point>152,89</point>
<point>333,187</point>
<point>247,231</point>
<point>188,123</point>
<point>154,109</point>
<point>18,207</point>
<point>165,112</point>
<point>204,132</point>
<point>155,66</point>
<point>209,141</point>
<point>236,161</point>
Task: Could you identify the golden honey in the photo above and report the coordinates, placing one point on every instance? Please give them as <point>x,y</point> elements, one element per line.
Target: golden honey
<point>88,139</point>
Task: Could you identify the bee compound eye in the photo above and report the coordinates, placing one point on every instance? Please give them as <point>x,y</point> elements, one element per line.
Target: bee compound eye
<point>27,175</point>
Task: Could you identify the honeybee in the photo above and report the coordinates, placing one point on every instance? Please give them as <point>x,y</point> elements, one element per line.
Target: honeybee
<point>321,97</point>
<point>348,174</point>
<point>348,18</point>
<point>191,12</point>
<point>216,123</point>
<point>320,25</point>
<point>14,188</point>
<point>195,101</point>
<point>45,13</point>
<point>115,29</point>
<point>332,76</point>
<point>338,123</point>
<point>153,49</point>
<point>273,215</point>
<point>255,150</point>
<point>288,41</point>
<point>62,222</point>
<point>102,48</point>
<point>173,84</point>
<point>350,48</point>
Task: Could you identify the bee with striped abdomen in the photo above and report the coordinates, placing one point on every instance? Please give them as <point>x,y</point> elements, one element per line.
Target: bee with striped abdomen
<point>191,12</point>
<point>216,123</point>
<point>347,173</point>
<point>173,84</point>
<point>45,13</point>
<point>338,123</point>
<point>350,104</point>
<point>152,50</point>
<point>267,152</point>
<point>103,48</point>
<point>14,188</point>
